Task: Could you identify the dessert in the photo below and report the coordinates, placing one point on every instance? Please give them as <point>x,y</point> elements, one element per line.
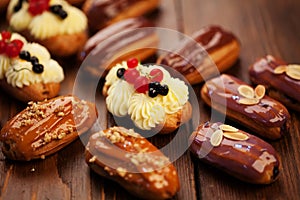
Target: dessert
<point>55,24</point>
<point>27,71</point>
<point>194,63</point>
<point>281,80</point>
<point>45,127</point>
<point>103,13</point>
<point>127,158</point>
<point>76,2</point>
<point>149,95</point>
<point>3,5</point>
<point>136,42</point>
<point>251,108</point>
<point>236,152</point>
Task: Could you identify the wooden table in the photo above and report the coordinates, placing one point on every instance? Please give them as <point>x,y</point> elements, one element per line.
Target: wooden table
<point>263,27</point>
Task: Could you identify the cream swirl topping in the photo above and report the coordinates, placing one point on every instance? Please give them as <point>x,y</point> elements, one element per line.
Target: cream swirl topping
<point>111,77</point>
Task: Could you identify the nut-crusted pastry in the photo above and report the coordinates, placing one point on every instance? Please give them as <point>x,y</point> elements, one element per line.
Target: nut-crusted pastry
<point>45,127</point>
<point>236,152</point>
<point>153,99</point>
<point>124,156</point>
<point>252,108</point>
<point>188,58</point>
<point>281,80</point>
<point>103,13</point>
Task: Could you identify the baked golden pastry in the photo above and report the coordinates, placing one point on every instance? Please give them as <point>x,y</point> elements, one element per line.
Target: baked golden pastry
<point>27,71</point>
<point>281,80</point>
<point>55,24</point>
<point>148,95</point>
<point>127,158</point>
<point>44,128</point>
<point>102,13</point>
<point>251,108</point>
<point>3,5</point>
<point>236,152</point>
<point>194,63</point>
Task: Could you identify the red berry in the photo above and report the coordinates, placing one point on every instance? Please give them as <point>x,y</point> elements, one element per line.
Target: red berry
<point>132,62</point>
<point>141,84</point>
<point>2,47</point>
<point>37,7</point>
<point>18,43</point>
<point>131,75</point>
<point>12,50</point>
<point>156,75</point>
<point>5,35</point>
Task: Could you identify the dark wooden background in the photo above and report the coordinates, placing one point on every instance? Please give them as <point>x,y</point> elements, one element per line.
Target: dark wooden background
<point>263,27</point>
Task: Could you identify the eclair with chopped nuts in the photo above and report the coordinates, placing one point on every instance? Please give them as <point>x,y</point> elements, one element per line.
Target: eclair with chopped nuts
<point>281,80</point>
<point>236,152</point>
<point>247,106</point>
<point>127,158</point>
<point>45,127</point>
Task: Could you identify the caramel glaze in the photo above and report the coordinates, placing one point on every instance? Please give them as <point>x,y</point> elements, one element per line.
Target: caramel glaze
<point>244,160</point>
<point>211,38</point>
<point>261,72</point>
<point>45,127</point>
<point>124,156</point>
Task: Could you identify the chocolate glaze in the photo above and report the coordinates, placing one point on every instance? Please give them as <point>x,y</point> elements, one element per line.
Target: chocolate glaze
<point>261,72</point>
<point>237,157</point>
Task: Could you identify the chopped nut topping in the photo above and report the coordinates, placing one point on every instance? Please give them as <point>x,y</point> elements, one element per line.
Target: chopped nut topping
<point>92,159</point>
<point>280,69</point>
<point>228,128</point>
<point>121,171</point>
<point>293,71</point>
<point>43,157</point>
<point>60,114</point>
<point>216,138</point>
<point>236,136</point>
<point>246,101</point>
<point>250,96</point>
<point>260,91</point>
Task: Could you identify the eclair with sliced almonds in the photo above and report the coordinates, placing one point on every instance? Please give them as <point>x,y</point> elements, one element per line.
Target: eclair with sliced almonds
<point>236,152</point>
<point>45,127</point>
<point>127,158</point>
<point>247,106</point>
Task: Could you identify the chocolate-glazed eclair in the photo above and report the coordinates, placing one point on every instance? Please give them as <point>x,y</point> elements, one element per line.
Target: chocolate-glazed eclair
<point>45,127</point>
<point>236,152</point>
<point>281,80</point>
<point>124,156</point>
<point>193,62</point>
<point>251,108</point>
<point>103,13</point>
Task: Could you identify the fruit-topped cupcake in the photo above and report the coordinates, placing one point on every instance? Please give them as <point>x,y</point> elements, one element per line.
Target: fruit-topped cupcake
<point>148,94</point>
<point>60,27</point>
<point>27,70</point>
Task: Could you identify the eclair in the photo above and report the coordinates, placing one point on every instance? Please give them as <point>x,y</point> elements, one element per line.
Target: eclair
<point>44,128</point>
<point>103,13</point>
<point>127,158</point>
<point>281,80</point>
<point>132,41</point>
<point>250,107</point>
<point>27,71</point>
<point>55,24</point>
<point>238,153</point>
<point>195,58</point>
<point>152,99</point>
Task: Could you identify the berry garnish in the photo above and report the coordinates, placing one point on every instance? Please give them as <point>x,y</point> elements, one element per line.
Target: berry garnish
<point>37,7</point>
<point>6,35</point>
<point>163,90</point>
<point>132,62</point>
<point>156,75</point>
<point>63,14</point>
<point>38,68</point>
<point>25,55</point>
<point>152,92</point>
<point>2,47</point>
<point>120,72</point>
<point>154,85</point>
<point>18,43</point>
<point>12,50</point>
<point>141,84</point>
<point>131,75</point>
<point>34,60</point>
<point>55,8</point>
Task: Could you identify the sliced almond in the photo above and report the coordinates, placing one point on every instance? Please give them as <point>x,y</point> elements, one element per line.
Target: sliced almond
<point>247,101</point>
<point>293,71</point>
<point>236,136</point>
<point>260,91</point>
<point>228,128</point>
<point>280,69</point>
<point>216,138</point>
<point>246,91</point>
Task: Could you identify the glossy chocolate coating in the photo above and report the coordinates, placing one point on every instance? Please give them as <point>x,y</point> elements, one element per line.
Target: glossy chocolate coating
<point>252,160</point>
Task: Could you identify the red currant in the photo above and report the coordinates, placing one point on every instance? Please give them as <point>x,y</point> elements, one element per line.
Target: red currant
<point>12,50</point>
<point>132,62</point>
<point>18,43</point>
<point>156,75</point>
<point>37,7</point>
<point>141,84</point>
<point>131,75</point>
<point>5,35</point>
<point>2,47</point>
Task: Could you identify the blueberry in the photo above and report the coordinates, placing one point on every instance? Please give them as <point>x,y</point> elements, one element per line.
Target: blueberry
<point>55,9</point>
<point>152,92</point>
<point>120,72</point>
<point>38,68</point>
<point>62,14</point>
<point>163,90</point>
<point>155,85</point>
<point>18,7</point>
<point>34,60</point>
<point>25,55</point>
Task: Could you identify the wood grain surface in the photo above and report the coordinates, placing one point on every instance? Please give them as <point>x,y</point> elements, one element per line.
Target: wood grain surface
<point>262,26</point>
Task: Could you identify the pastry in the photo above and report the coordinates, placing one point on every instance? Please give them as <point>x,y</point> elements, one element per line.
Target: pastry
<point>127,158</point>
<point>3,5</point>
<point>281,80</point>
<point>190,57</point>
<point>55,24</point>
<point>102,13</point>
<point>236,152</point>
<point>251,108</point>
<point>27,71</point>
<point>148,95</point>
<point>135,42</point>
<point>76,2</point>
<point>45,127</point>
